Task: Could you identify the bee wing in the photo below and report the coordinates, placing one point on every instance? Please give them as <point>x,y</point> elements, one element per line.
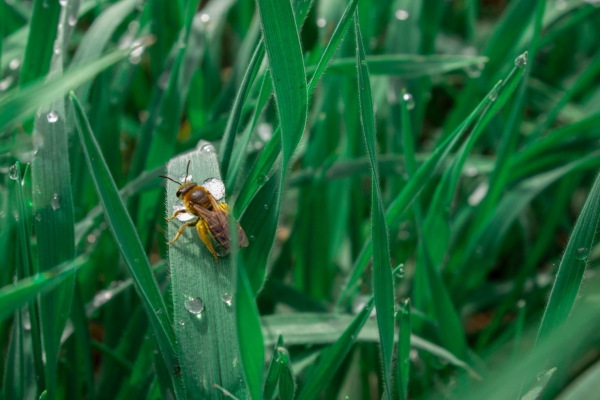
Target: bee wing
<point>242,239</point>
<point>217,224</point>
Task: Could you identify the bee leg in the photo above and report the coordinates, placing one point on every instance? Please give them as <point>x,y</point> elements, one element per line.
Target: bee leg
<point>175,214</point>
<point>224,207</point>
<point>203,232</point>
<point>180,231</point>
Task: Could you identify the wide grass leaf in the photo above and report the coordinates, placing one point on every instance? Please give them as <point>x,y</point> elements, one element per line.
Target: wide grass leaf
<point>203,303</point>
<point>128,242</point>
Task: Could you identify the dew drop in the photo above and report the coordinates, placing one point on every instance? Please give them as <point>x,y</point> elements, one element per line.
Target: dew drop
<point>12,172</point>
<point>183,217</point>
<point>321,22</point>
<point>72,21</point>
<point>6,83</point>
<point>521,61</point>
<point>206,147</point>
<point>402,15</point>
<point>400,273</point>
<point>261,179</point>
<point>474,70</point>
<point>266,206</point>
<point>252,237</point>
<point>136,54</point>
<point>494,94</point>
<point>159,311</point>
<point>410,102</point>
<point>91,238</point>
<point>216,187</point>
<point>14,64</point>
<point>194,305</point>
<point>205,17</point>
<point>52,116</point>
<point>227,298</point>
<point>582,253</point>
<point>181,322</point>
<point>55,202</point>
<point>38,217</point>
<point>62,2</point>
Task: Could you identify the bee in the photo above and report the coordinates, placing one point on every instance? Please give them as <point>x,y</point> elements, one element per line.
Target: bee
<point>212,216</point>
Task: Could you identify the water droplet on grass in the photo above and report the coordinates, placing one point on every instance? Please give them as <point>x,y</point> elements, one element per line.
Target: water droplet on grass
<point>216,187</point>
<point>52,116</point>
<point>14,64</point>
<point>494,94</point>
<point>72,21</point>
<point>194,305</point>
<point>321,22</point>
<point>181,322</point>
<point>206,147</point>
<point>261,179</point>
<point>582,253</point>
<point>227,298</point>
<point>6,83</point>
<point>62,2</point>
<point>410,102</point>
<point>55,202</point>
<point>402,15</point>
<point>521,61</point>
<point>12,172</point>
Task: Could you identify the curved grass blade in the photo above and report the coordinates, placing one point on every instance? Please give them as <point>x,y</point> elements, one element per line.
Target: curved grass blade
<point>425,172</point>
<point>236,111</point>
<point>406,65</point>
<point>207,339</point>
<point>570,271</point>
<point>287,381</point>
<point>128,242</point>
<point>282,44</point>
<point>332,358</point>
<point>97,37</point>
<point>19,105</point>
<point>383,282</point>
<point>271,151</point>
<point>14,375</point>
<point>15,296</point>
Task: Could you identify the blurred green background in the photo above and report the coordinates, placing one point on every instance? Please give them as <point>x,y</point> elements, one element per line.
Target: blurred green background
<point>416,178</point>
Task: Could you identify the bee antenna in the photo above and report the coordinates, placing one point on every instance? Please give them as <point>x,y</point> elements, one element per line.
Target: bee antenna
<point>187,170</point>
<point>171,179</point>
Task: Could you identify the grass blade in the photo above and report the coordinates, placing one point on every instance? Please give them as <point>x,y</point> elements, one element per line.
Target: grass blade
<point>407,65</point>
<point>15,296</point>
<point>570,271</point>
<point>128,242</point>
<point>19,105</point>
<point>332,358</point>
<point>383,283</point>
<point>403,364</point>
<point>249,332</point>
<point>273,372</point>
<point>206,336</point>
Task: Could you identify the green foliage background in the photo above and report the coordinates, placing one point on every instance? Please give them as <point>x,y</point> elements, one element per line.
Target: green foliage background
<point>416,178</point>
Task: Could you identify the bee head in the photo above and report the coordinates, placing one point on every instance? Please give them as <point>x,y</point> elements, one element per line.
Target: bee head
<point>186,187</point>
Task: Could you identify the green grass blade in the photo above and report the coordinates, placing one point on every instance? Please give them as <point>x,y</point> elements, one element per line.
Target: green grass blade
<point>28,271</point>
<point>273,372</point>
<point>40,41</point>
<point>15,296</point>
<point>282,44</point>
<point>206,335</point>
<point>287,381</point>
<point>128,242</point>
<point>585,386</point>
<point>406,65</point>
<point>403,365</point>
<point>97,37</point>
<point>383,284</point>
<point>19,105</point>
<point>14,376</point>
<point>53,207</point>
<point>236,111</point>
<point>249,332</point>
<point>333,357</point>
<point>570,271</point>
